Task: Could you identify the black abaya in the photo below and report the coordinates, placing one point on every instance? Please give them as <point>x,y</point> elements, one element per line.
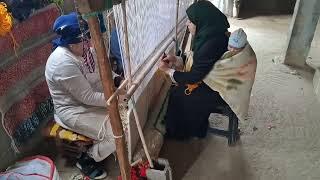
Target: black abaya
<point>187,116</point>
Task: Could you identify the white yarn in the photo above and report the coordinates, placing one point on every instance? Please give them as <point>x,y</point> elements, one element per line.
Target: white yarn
<point>149,23</point>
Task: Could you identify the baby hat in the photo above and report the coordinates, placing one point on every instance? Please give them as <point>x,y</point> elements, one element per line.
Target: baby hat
<point>238,39</point>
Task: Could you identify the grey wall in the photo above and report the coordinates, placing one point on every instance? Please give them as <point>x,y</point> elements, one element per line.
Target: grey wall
<point>268,6</point>
<point>301,32</point>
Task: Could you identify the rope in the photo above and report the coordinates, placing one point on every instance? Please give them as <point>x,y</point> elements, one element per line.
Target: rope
<point>13,144</point>
<point>15,44</point>
<point>107,22</point>
<point>117,137</point>
<point>103,131</point>
<point>90,14</point>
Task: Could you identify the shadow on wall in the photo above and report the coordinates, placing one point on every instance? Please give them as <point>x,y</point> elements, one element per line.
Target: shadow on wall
<point>251,8</point>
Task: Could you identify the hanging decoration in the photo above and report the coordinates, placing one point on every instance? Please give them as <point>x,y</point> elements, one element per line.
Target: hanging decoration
<point>6,24</point>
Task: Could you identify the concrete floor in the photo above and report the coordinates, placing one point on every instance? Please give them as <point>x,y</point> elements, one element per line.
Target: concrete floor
<point>282,98</point>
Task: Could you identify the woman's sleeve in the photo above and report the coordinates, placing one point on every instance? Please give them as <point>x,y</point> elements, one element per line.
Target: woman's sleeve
<point>71,78</point>
<point>202,64</point>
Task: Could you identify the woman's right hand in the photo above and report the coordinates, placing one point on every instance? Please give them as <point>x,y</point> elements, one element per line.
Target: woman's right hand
<point>170,59</point>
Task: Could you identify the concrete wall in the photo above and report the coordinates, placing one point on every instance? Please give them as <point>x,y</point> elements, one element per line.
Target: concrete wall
<point>301,32</point>
<point>268,6</point>
<point>314,53</point>
<point>313,60</point>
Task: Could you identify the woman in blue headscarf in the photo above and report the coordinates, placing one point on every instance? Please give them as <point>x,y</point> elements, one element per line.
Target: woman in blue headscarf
<point>79,105</point>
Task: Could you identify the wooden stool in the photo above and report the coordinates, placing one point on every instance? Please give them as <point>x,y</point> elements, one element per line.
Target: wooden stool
<point>68,143</point>
<point>233,132</point>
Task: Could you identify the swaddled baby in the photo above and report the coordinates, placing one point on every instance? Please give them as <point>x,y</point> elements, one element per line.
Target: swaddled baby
<point>237,41</point>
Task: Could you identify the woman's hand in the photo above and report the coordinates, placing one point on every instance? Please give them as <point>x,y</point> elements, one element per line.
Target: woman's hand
<point>170,59</point>
<point>167,62</point>
<point>164,66</point>
<point>167,65</point>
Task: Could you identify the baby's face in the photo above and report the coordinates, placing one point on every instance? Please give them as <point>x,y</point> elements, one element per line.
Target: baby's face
<point>235,50</point>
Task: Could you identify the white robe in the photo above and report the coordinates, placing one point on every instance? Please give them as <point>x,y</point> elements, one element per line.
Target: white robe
<point>79,104</point>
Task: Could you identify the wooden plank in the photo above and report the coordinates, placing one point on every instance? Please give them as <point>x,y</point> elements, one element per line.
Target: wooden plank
<point>108,87</point>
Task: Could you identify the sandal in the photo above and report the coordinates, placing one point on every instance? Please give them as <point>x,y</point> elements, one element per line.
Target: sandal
<point>90,168</point>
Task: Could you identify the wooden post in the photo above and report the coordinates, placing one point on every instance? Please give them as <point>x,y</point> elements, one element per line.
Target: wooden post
<point>108,87</point>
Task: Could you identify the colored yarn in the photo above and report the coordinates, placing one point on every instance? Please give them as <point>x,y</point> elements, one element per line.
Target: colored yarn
<point>5,20</point>
<point>31,125</point>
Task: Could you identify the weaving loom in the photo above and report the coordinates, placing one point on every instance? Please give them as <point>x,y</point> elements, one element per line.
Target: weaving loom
<point>149,25</point>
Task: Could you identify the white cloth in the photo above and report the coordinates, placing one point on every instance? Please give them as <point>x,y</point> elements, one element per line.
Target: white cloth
<point>233,77</point>
<point>69,88</point>
<point>170,72</point>
<point>78,101</point>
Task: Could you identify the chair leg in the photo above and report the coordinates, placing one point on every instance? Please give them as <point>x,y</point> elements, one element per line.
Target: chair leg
<point>233,130</point>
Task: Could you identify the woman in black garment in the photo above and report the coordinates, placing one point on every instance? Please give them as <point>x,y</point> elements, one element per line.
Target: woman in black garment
<point>187,114</point>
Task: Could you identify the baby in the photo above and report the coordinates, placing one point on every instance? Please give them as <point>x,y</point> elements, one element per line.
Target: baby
<point>237,41</point>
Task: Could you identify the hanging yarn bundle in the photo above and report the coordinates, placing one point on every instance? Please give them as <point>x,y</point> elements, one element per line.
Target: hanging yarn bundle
<point>5,20</point>
<point>6,24</point>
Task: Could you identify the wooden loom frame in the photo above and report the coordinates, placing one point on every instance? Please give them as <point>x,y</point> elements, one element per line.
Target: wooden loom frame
<point>111,94</point>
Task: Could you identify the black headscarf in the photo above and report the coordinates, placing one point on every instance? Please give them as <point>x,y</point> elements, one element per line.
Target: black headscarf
<point>209,21</point>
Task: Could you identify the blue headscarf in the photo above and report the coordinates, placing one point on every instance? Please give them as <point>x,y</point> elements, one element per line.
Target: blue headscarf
<point>68,29</point>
